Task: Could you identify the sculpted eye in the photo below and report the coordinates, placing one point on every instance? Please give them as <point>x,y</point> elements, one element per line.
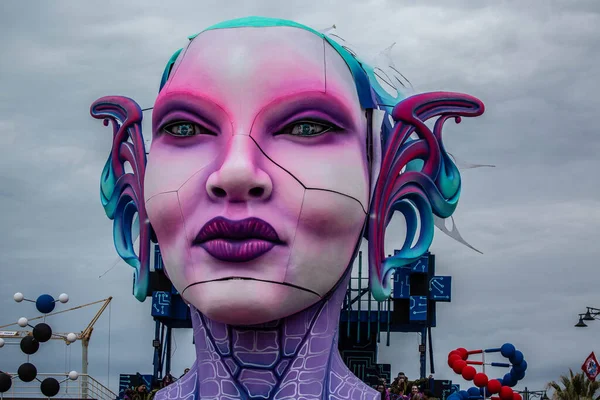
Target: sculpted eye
<point>186,129</point>
<point>306,129</point>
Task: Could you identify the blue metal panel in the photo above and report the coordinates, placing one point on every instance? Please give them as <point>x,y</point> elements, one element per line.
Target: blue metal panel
<point>161,304</point>
<point>421,265</point>
<point>401,284</point>
<point>440,288</point>
<point>418,308</point>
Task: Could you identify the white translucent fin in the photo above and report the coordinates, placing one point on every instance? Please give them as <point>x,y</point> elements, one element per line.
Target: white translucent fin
<point>461,164</point>
<point>440,223</point>
<point>327,30</point>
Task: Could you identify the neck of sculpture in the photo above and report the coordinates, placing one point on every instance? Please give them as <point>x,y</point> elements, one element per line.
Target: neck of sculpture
<point>259,361</point>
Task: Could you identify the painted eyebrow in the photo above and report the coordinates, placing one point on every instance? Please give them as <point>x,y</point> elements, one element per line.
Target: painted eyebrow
<point>286,107</point>
<point>200,107</point>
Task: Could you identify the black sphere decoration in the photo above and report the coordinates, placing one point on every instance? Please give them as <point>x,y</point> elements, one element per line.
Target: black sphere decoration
<point>42,332</point>
<point>29,345</point>
<point>27,372</point>
<point>50,387</point>
<point>5,382</point>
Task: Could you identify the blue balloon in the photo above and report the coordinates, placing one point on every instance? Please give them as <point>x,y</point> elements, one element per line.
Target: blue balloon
<point>521,367</point>
<point>517,375</point>
<point>517,358</point>
<point>509,380</point>
<point>45,304</point>
<point>507,350</point>
<point>464,394</point>
<point>474,392</point>
<point>454,396</point>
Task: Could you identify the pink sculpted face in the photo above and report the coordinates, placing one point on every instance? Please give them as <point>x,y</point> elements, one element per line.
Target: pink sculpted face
<point>257,179</point>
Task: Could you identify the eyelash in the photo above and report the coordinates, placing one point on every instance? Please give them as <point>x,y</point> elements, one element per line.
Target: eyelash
<point>328,127</point>
<point>196,127</point>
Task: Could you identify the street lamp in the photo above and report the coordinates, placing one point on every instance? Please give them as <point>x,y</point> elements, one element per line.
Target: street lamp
<point>590,315</point>
<point>528,395</point>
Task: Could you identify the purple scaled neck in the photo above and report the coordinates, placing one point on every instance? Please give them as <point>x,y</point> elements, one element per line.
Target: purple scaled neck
<point>291,358</point>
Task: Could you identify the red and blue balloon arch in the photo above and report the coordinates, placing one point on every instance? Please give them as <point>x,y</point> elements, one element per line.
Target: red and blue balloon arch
<point>496,389</point>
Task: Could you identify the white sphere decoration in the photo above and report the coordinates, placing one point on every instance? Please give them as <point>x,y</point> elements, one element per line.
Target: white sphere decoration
<point>22,322</point>
<point>71,337</point>
<point>1,342</point>
<point>63,298</point>
<point>73,375</point>
<point>18,297</point>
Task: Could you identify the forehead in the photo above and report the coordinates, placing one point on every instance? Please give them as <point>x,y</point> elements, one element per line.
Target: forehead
<point>244,69</point>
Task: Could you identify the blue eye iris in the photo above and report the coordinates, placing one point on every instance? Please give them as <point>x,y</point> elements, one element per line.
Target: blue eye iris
<point>308,129</point>
<point>186,129</point>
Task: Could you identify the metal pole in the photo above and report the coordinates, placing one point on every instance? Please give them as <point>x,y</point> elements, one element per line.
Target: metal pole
<point>168,357</point>
<point>359,295</point>
<point>422,355</point>
<point>156,362</point>
<point>483,368</point>
<point>84,367</point>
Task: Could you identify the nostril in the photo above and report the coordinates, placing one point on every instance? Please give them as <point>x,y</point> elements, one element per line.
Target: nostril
<point>256,192</point>
<point>218,192</point>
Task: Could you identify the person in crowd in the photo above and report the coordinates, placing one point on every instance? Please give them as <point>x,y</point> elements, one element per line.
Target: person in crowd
<point>167,380</point>
<point>185,371</point>
<point>415,394</point>
<point>400,384</point>
<point>385,395</point>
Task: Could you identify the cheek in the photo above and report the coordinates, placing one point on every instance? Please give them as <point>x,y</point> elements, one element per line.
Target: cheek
<point>338,164</point>
<point>329,229</point>
<point>170,166</point>
<point>164,214</point>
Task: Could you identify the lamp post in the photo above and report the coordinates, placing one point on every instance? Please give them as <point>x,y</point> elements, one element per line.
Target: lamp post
<point>590,315</point>
<point>528,394</point>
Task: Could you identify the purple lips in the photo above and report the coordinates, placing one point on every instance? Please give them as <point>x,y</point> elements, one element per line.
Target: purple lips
<point>237,241</point>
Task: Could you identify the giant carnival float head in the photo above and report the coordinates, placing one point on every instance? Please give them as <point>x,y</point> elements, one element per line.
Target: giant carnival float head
<point>275,150</point>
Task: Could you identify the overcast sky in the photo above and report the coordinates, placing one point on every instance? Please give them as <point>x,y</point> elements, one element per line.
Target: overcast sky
<point>535,216</point>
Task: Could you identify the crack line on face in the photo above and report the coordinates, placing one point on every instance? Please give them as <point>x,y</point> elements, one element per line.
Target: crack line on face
<point>187,239</point>
<point>295,235</point>
<point>158,194</point>
<point>253,279</point>
<point>300,182</point>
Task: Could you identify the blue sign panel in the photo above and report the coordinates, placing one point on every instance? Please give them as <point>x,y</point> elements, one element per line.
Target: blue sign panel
<point>401,284</point>
<point>421,265</point>
<point>440,288</point>
<point>418,308</point>
<point>161,304</point>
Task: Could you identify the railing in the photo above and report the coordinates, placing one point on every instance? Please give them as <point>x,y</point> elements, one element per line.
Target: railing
<point>85,387</point>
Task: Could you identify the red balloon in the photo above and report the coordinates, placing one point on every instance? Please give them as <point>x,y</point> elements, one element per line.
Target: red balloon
<point>506,393</point>
<point>494,386</point>
<point>463,353</point>
<point>452,359</point>
<point>469,372</point>
<point>452,353</point>
<point>517,396</point>
<point>459,365</point>
<point>480,380</point>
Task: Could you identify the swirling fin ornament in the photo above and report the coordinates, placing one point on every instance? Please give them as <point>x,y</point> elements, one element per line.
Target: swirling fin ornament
<point>121,192</point>
<point>428,186</point>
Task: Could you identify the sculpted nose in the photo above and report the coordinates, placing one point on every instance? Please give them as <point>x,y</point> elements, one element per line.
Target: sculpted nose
<point>240,178</point>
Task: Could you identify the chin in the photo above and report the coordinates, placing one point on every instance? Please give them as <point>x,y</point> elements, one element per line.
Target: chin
<point>247,302</point>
